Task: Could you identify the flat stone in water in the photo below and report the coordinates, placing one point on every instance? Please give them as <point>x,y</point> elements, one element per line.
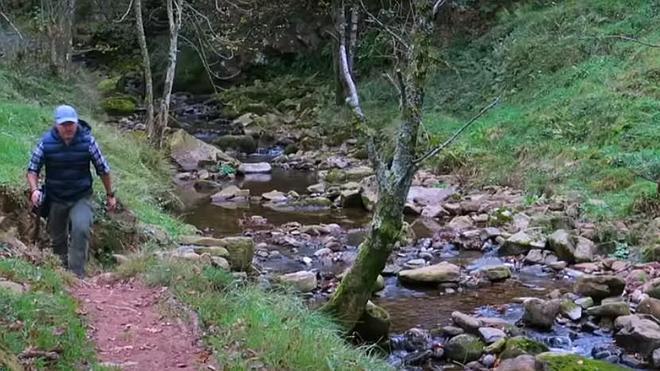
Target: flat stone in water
<point>491,335</point>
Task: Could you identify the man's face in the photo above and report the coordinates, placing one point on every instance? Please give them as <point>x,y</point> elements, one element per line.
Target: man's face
<point>67,130</point>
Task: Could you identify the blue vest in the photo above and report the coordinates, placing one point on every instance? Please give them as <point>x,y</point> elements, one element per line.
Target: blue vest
<point>68,176</point>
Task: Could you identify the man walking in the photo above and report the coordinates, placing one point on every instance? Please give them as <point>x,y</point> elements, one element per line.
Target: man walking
<point>67,150</point>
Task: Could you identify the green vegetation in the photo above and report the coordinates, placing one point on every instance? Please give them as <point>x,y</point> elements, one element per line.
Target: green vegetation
<point>44,318</point>
<point>141,175</point>
<point>249,326</point>
<point>521,345</point>
<point>580,107</point>
<point>571,362</point>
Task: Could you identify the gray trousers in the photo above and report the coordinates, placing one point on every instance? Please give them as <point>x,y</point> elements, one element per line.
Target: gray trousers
<point>69,226</point>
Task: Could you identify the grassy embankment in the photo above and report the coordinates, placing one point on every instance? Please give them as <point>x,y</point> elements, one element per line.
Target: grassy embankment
<point>249,326</point>
<point>579,106</point>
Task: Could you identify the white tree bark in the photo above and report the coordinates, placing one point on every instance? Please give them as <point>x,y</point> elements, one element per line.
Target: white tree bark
<point>146,67</point>
<point>352,98</point>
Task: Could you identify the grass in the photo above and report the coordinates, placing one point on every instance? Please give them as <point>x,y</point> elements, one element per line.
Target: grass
<point>141,174</point>
<point>250,327</point>
<point>44,318</point>
<point>580,110</point>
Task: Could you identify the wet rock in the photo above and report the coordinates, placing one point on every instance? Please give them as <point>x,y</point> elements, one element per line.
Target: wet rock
<point>304,281</point>
<point>452,331</point>
<point>231,193</point>
<point>255,168</point>
<point>519,243</point>
<point>351,198</point>
<point>490,334</point>
<point>464,348</point>
<point>496,273</point>
<point>570,310</point>
<point>607,352</point>
<point>416,339</point>
<point>535,256</point>
<point>610,310</point>
<point>374,325</point>
<point>188,151</point>
<point>649,306</point>
<point>437,273</point>
<point>316,188</point>
<point>561,243</point>
<point>206,186</point>
<point>322,252</point>
<point>652,288</point>
<point>584,250</point>
<point>275,196</point>
<point>14,287</point>
<point>521,345</point>
<point>489,233</point>
<point>558,265</point>
<point>638,333</point>
<point>212,250</point>
<point>568,361</point>
<point>461,223</point>
<point>540,313</point>
<point>633,362</point>
<point>220,262</point>
<point>497,347</point>
<point>418,358</point>
<point>241,252</point>
<point>380,283</point>
<point>521,363</point>
<point>655,358</point>
<point>599,287</point>
<point>488,360</point>
<point>415,263</point>
<point>466,322</point>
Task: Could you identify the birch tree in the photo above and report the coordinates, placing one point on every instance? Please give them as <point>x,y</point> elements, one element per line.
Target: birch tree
<point>58,16</point>
<point>146,64</point>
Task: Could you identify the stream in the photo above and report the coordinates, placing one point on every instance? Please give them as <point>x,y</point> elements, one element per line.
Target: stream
<point>409,307</point>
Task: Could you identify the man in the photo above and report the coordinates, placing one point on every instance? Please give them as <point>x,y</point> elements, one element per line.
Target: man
<point>67,150</point>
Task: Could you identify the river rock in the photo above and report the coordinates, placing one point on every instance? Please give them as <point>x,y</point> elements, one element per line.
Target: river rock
<point>416,339</point>
<point>496,273</point>
<point>585,303</point>
<point>540,313</point>
<point>358,173</point>
<point>220,262</point>
<point>351,198</point>
<point>379,284</point>
<point>638,333</point>
<point>206,186</point>
<point>451,331</point>
<point>274,196</point>
<point>212,250</point>
<point>426,196</point>
<point>316,188</point>
<point>649,306</point>
<point>304,281</point>
<point>241,252</point>
<point>466,322</point>
<point>519,345</point>
<point>369,194</point>
<point>652,288</point>
<point>437,273</point>
<point>561,243</point>
<point>461,223</point>
<point>570,310</point>
<point>655,358</point>
<point>609,310</point>
<point>491,335</point>
<point>255,168</point>
<point>519,243</point>
<point>374,325</point>
<point>599,287</point>
<point>535,256</point>
<point>188,151</point>
<point>231,193</point>
<point>584,250</point>
<point>523,362</point>
<point>464,348</point>
<point>497,347</point>
<point>199,241</point>
<point>415,263</point>
<point>488,360</point>
<point>14,287</point>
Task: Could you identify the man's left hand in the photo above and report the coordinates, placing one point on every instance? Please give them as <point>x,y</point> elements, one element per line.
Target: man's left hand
<point>111,203</point>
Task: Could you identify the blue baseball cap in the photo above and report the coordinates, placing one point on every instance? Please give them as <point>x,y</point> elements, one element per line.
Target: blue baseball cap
<point>65,113</point>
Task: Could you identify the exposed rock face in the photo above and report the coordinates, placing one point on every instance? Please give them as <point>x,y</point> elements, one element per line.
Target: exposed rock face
<point>437,273</point>
<point>540,313</point>
<point>188,151</point>
<point>638,333</point>
<point>599,287</point>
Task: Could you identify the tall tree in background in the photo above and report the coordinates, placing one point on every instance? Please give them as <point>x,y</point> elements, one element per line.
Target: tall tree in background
<point>58,16</point>
<point>146,64</point>
<point>345,41</point>
<point>394,172</point>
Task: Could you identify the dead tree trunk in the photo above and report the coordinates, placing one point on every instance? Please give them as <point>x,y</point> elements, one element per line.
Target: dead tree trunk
<point>146,66</point>
<point>59,29</point>
<point>174,16</point>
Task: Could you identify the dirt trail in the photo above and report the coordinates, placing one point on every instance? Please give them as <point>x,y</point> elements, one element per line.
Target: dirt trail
<point>127,323</point>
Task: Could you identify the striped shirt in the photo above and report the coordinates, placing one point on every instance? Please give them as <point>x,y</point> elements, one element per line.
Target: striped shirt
<point>100,164</point>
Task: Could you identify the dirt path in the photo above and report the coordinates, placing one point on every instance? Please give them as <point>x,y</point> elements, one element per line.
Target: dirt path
<point>127,323</point>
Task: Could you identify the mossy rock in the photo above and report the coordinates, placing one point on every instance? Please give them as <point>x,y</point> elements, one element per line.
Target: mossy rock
<point>520,345</point>
<point>119,105</point>
<point>241,143</point>
<point>361,154</point>
<point>464,348</point>
<point>374,325</point>
<point>108,86</point>
<point>572,362</point>
<point>335,176</point>
<point>291,148</point>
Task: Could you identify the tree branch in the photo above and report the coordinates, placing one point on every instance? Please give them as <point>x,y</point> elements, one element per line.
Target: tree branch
<point>632,39</point>
<point>381,24</point>
<point>11,24</point>
<point>128,11</point>
<point>444,145</point>
<point>437,5</point>
<point>352,99</point>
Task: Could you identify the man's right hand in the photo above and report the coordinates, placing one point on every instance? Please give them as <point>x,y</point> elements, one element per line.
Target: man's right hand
<point>35,198</point>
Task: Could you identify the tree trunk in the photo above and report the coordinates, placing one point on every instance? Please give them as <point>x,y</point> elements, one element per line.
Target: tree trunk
<point>337,11</point>
<point>352,39</point>
<point>348,302</point>
<point>59,29</point>
<point>158,132</point>
<point>146,65</point>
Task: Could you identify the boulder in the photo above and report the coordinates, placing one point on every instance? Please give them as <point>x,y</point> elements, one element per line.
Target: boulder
<point>599,287</point>
<point>639,333</point>
<point>200,241</point>
<point>464,348</point>
<point>562,244</point>
<point>491,335</point>
<point>519,345</point>
<point>14,287</point>
<point>426,196</point>
<point>585,303</point>
<point>584,250</point>
<point>212,250</point>
<point>437,273</point>
<point>535,256</point>
<point>231,193</point>
<point>374,325</point>
<point>655,358</point>
<point>652,288</point>
<point>461,223</point>
<point>649,306</point>
<point>416,339</point>
<point>241,252</point>
<point>523,362</point>
<point>496,273</point>
<point>188,151</point>
<point>275,196</point>
<point>304,281</point>
<point>570,310</point>
<point>351,198</point>
<point>316,188</point>
<point>609,310</point>
<point>255,168</point>
<point>519,243</point>
<point>466,322</point>
<point>220,262</point>
<point>540,313</point>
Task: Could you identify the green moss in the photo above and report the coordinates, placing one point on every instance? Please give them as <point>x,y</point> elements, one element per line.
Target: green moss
<point>120,105</point>
<point>108,86</point>
<point>241,143</point>
<point>335,176</point>
<point>520,345</point>
<point>570,362</point>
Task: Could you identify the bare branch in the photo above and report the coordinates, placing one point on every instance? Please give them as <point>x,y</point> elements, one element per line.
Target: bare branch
<point>128,11</point>
<point>352,98</point>
<point>444,145</point>
<point>11,24</point>
<point>632,39</point>
<point>381,24</point>
<point>437,5</point>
